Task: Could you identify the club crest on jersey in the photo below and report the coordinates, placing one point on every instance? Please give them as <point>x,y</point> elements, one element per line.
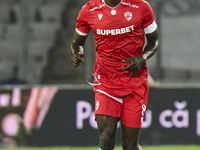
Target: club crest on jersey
<point>128,15</point>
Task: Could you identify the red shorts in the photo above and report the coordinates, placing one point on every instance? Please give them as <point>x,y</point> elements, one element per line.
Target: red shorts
<point>130,108</point>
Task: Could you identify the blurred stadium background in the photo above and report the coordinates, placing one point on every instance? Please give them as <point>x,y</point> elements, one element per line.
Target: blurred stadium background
<point>35,37</point>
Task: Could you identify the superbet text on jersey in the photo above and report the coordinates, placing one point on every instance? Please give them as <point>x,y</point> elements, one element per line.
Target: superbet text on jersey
<point>119,34</point>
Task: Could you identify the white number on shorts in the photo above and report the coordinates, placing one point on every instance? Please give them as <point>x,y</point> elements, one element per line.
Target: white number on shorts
<point>143,111</point>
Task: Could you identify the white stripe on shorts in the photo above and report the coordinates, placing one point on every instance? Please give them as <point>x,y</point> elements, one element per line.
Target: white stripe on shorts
<point>115,98</point>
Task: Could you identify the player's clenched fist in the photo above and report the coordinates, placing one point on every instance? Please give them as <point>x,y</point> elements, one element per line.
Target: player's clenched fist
<point>77,55</point>
<point>135,63</point>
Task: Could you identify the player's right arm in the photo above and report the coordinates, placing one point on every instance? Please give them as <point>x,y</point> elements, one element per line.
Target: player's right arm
<point>80,36</point>
<point>77,55</point>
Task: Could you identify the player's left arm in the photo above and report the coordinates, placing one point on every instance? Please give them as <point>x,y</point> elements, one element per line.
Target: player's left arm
<point>152,45</point>
<point>150,49</point>
<point>151,33</point>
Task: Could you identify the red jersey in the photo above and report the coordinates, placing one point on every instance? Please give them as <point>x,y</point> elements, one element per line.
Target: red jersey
<point>119,34</point>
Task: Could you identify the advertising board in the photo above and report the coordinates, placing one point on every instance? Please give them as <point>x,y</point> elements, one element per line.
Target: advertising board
<point>50,116</point>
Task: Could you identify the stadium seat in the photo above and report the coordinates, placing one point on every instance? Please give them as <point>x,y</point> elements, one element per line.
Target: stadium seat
<point>55,1</point>
<point>37,59</point>
<point>14,32</point>
<point>10,50</point>
<point>6,69</point>
<point>2,31</point>
<point>43,31</point>
<point>4,12</point>
<point>9,1</point>
<point>17,10</point>
<point>51,13</point>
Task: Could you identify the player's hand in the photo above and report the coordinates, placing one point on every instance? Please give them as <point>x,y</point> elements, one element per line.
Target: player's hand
<point>135,63</point>
<point>77,55</point>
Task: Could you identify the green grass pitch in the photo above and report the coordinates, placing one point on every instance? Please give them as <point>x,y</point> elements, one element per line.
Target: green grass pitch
<point>182,147</point>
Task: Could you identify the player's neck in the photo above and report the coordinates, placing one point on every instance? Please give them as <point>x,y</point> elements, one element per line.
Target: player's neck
<point>112,3</point>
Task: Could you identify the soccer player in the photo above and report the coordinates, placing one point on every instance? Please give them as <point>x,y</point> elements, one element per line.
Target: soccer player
<point>120,71</point>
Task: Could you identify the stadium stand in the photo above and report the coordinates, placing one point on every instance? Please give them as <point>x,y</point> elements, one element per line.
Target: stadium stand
<point>4,12</point>
<point>14,49</point>
<point>48,16</point>
<point>43,31</point>
<point>39,33</point>
<point>37,59</point>
<point>14,32</point>
<point>24,23</point>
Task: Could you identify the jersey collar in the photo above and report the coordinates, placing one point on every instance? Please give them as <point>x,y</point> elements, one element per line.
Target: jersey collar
<point>103,1</point>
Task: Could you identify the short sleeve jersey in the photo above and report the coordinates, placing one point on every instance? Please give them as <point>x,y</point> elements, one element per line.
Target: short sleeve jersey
<point>119,34</point>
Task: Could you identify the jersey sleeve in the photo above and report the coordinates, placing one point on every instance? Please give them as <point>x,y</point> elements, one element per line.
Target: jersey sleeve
<point>82,25</point>
<point>149,23</point>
